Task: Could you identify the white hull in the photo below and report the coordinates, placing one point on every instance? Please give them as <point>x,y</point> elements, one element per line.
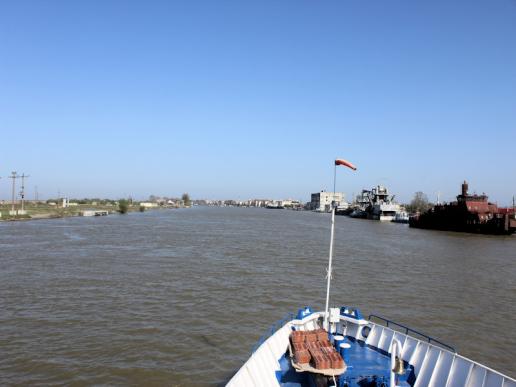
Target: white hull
<point>385,218</point>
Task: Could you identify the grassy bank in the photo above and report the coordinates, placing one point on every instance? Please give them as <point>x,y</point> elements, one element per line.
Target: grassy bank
<point>45,211</point>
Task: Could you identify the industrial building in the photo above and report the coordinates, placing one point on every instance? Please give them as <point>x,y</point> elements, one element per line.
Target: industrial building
<point>321,201</point>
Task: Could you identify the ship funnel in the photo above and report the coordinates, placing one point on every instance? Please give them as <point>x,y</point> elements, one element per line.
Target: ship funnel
<point>465,188</point>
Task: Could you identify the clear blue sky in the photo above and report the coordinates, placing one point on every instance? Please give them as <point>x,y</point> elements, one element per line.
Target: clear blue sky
<point>255,99</point>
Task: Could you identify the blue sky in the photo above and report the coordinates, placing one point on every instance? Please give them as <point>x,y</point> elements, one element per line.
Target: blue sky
<point>255,99</point>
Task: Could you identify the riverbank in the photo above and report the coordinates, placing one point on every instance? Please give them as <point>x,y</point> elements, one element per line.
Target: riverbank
<point>45,211</point>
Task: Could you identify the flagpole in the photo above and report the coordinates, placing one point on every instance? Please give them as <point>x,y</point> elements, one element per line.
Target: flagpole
<point>326,315</point>
<point>330,259</point>
<point>326,324</point>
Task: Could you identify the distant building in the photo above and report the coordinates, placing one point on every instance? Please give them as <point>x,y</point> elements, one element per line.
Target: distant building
<point>321,201</point>
<point>148,205</point>
<point>290,203</point>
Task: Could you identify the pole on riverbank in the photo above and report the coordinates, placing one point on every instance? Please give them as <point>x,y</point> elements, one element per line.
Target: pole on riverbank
<point>22,192</point>
<point>13,176</point>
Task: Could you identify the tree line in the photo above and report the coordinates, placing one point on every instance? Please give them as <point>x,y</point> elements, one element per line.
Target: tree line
<point>419,203</point>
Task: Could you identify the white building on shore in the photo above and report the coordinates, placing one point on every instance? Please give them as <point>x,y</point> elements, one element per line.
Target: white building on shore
<point>321,201</point>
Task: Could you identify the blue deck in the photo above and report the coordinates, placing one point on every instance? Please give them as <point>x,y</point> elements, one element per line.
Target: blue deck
<point>366,367</point>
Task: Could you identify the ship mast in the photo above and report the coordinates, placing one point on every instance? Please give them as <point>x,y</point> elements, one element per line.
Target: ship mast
<point>326,311</point>
<point>330,258</point>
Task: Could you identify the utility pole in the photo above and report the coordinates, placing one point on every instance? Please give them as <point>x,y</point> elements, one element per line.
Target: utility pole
<point>13,176</point>
<point>22,192</point>
<point>36,194</point>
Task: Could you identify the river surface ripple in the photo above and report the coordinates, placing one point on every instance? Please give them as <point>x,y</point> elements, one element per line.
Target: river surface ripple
<point>179,297</point>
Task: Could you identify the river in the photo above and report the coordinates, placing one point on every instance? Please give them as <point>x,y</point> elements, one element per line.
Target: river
<point>179,297</point>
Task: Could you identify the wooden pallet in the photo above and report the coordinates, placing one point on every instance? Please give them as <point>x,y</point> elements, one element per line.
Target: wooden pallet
<point>325,372</point>
<point>308,368</point>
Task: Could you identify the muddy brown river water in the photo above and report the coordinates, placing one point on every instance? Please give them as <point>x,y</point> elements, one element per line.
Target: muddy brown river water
<point>179,297</point>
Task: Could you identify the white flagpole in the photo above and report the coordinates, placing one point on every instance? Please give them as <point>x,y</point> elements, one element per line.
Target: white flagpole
<point>326,316</point>
<point>330,259</point>
<point>333,207</point>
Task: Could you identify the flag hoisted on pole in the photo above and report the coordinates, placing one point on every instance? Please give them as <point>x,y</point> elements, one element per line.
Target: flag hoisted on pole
<point>351,166</point>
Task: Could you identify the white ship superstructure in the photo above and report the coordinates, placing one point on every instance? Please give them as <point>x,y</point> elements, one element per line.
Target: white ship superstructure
<point>382,206</point>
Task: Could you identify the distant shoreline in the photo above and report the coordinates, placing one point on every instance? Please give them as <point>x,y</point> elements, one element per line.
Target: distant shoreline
<point>43,212</point>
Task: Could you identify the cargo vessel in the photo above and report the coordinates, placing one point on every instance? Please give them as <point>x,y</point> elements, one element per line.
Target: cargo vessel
<point>470,213</point>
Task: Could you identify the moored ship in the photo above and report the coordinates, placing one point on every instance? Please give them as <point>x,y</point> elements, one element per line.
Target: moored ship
<point>470,213</point>
<point>375,204</point>
<point>401,217</point>
<point>382,205</point>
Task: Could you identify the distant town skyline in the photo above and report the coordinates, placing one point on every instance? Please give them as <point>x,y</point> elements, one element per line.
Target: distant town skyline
<point>349,197</point>
<point>255,100</point>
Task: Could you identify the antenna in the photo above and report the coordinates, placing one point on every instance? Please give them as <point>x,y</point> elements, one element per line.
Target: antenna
<point>13,176</point>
